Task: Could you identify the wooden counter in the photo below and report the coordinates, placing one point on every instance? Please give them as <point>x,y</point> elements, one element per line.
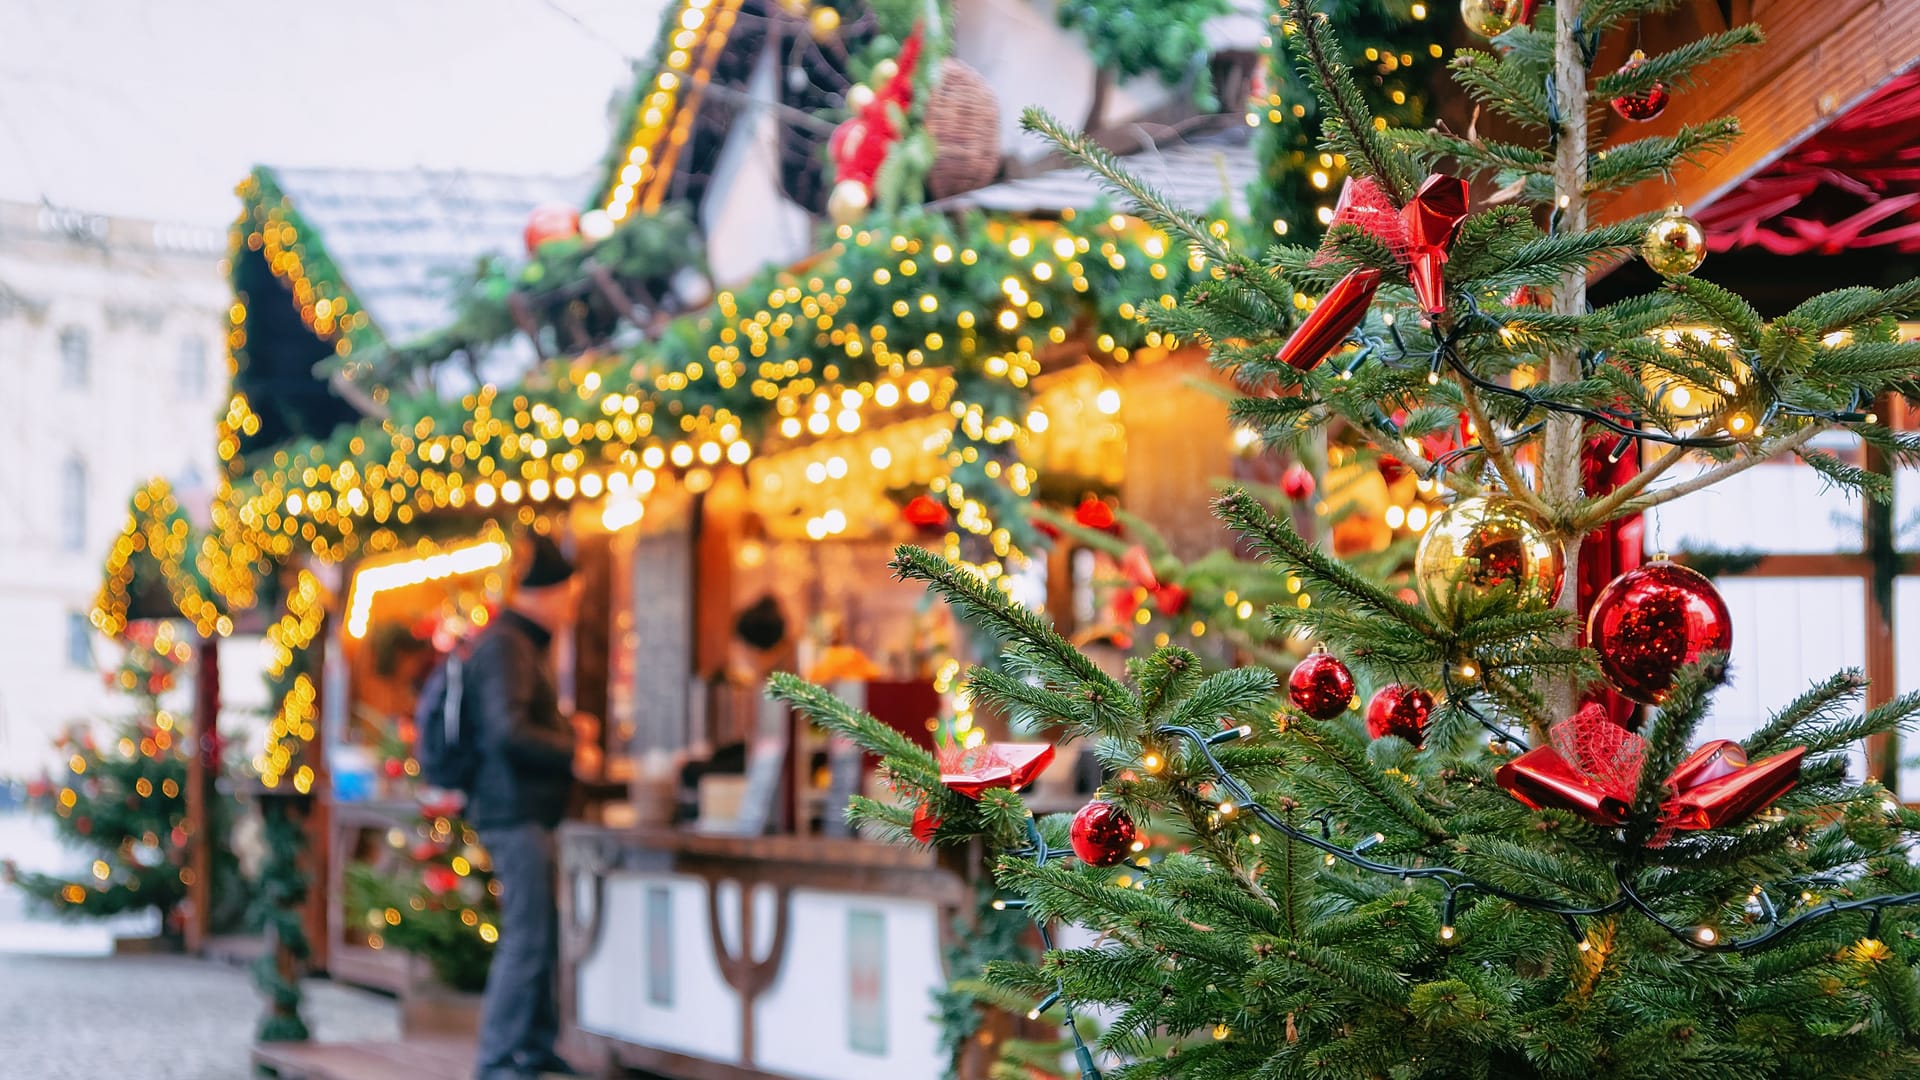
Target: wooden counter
<point>753,958</point>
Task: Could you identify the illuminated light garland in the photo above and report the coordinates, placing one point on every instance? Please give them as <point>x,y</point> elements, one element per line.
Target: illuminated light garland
<point>666,107</point>
<point>370,581</point>
<point>158,529</point>
<point>292,725</point>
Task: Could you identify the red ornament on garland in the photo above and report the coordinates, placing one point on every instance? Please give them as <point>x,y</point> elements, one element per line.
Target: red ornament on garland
<point>1651,622</point>
<point>439,880</point>
<point>1102,834</point>
<point>1094,514</point>
<point>1399,710</point>
<point>1297,482</point>
<point>1646,104</point>
<point>1320,686</point>
<point>971,771</point>
<point>924,824</point>
<point>550,222</point>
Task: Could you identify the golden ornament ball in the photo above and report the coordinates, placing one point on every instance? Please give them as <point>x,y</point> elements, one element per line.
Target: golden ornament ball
<point>859,97</point>
<point>1674,244</point>
<point>849,202</point>
<point>1490,18</point>
<point>1481,546</point>
<point>824,22</point>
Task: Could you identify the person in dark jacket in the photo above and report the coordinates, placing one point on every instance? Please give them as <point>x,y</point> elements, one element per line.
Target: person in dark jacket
<point>519,795</point>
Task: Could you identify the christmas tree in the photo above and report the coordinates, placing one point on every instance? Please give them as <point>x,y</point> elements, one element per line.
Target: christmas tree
<point>440,902</point>
<point>1480,873</point>
<point>124,800</point>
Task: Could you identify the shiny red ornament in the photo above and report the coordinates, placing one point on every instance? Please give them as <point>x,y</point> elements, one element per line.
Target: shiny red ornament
<point>1434,217</point>
<point>1651,622</point>
<point>924,824</point>
<point>550,222</point>
<point>1297,482</point>
<point>971,771</point>
<point>1320,686</point>
<point>1593,766</point>
<point>1102,834</point>
<point>1094,514</point>
<point>924,512</point>
<point>1331,320</point>
<point>1171,599</point>
<point>425,850</point>
<point>1399,710</point>
<point>439,880</point>
<point>1646,104</point>
<point>394,768</point>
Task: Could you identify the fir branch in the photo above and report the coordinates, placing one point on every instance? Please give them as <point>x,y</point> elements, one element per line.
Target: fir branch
<point>1502,87</point>
<point>1755,455</point>
<point>1720,307</point>
<point>1676,67</point>
<point>1278,541</point>
<point>1843,309</point>
<point>1475,154</point>
<point>1623,165</point>
<point>843,719</point>
<point>1849,477</point>
<point>1346,127</point>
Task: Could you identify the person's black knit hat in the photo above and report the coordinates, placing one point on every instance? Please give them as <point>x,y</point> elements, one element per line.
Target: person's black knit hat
<point>549,565</point>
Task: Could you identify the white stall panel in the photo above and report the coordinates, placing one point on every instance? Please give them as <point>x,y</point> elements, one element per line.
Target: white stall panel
<point>853,1000</point>
<point>1779,508</point>
<point>1787,634</point>
<point>652,979</point>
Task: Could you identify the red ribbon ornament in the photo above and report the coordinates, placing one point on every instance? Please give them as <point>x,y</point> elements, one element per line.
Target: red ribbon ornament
<point>1593,769</point>
<point>1331,320</point>
<point>1433,219</point>
<point>972,771</point>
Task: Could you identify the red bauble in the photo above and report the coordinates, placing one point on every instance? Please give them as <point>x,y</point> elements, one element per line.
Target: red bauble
<point>551,222</point>
<point>1320,686</point>
<point>1399,710</point>
<point>1651,622</point>
<point>394,768</point>
<point>1094,514</point>
<point>1646,104</point>
<point>1171,599</point>
<point>439,880</point>
<point>924,512</point>
<point>1102,834</point>
<point>924,824</point>
<point>1297,482</point>
<point>422,852</point>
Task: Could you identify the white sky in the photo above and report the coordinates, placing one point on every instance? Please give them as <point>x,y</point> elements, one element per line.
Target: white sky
<point>157,108</point>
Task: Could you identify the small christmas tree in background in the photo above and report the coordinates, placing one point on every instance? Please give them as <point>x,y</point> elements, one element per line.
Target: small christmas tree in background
<point>123,799</point>
<point>435,897</point>
<point>1479,874</point>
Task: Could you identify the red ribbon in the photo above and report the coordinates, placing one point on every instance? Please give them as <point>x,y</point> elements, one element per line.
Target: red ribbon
<point>972,771</point>
<point>1433,219</point>
<point>1331,320</point>
<point>1593,769</point>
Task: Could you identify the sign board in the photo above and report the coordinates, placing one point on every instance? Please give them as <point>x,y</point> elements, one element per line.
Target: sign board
<point>662,640</point>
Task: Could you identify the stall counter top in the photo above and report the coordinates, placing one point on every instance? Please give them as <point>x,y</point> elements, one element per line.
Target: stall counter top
<point>833,863</point>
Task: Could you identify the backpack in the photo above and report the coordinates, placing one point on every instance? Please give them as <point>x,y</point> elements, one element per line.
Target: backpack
<point>447,748</point>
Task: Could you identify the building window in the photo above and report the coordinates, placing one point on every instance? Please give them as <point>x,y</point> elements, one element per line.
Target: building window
<point>191,378</point>
<point>73,356</point>
<point>79,641</point>
<point>73,505</point>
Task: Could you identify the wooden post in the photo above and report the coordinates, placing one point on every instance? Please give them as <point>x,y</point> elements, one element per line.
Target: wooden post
<point>203,769</point>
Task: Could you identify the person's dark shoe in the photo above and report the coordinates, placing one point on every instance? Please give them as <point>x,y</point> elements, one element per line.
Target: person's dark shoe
<point>555,1067</point>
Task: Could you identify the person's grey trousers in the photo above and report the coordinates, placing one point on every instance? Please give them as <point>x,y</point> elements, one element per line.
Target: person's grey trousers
<point>520,1017</point>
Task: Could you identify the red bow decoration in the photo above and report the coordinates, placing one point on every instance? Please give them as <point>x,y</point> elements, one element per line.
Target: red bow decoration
<point>1331,320</point>
<point>859,146</point>
<point>1365,207</point>
<point>1433,219</point>
<point>1593,769</point>
<point>971,771</point>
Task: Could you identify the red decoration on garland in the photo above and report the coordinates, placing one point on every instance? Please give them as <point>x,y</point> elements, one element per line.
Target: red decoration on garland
<point>548,223</point>
<point>971,771</point>
<point>924,824</point>
<point>859,146</point>
<point>924,512</point>
<point>1646,104</point>
<point>1399,710</point>
<point>1593,769</point>
<point>1094,514</point>
<point>1651,622</point>
<point>1331,320</point>
<point>1297,482</point>
<point>1320,686</point>
<point>439,880</point>
<point>1102,833</point>
<point>1433,220</point>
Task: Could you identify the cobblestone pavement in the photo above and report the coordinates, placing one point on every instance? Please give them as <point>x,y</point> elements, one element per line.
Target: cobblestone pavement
<point>152,1018</point>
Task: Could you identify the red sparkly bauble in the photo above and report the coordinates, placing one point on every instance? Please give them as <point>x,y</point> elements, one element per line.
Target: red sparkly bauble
<point>924,824</point>
<point>1399,710</point>
<point>1320,686</point>
<point>1094,514</point>
<point>1646,104</point>
<point>1102,834</point>
<point>1297,482</point>
<point>1649,623</point>
<point>551,222</point>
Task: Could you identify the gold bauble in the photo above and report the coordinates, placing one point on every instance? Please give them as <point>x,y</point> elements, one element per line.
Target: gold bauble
<point>1482,546</point>
<point>848,203</point>
<point>859,97</point>
<point>1490,18</point>
<point>884,71</point>
<point>824,22</point>
<point>1674,244</point>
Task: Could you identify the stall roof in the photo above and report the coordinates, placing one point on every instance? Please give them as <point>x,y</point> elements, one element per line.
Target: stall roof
<point>1196,176</point>
<point>397,236</point>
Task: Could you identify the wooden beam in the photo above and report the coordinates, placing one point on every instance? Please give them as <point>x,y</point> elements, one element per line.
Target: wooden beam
<point>1820,58</point>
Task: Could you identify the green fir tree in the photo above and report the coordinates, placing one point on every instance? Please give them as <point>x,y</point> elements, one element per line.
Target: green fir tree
<point>1364,907</point>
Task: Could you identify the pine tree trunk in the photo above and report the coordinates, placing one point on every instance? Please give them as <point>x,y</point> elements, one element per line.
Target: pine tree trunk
<point>1560,461</point>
